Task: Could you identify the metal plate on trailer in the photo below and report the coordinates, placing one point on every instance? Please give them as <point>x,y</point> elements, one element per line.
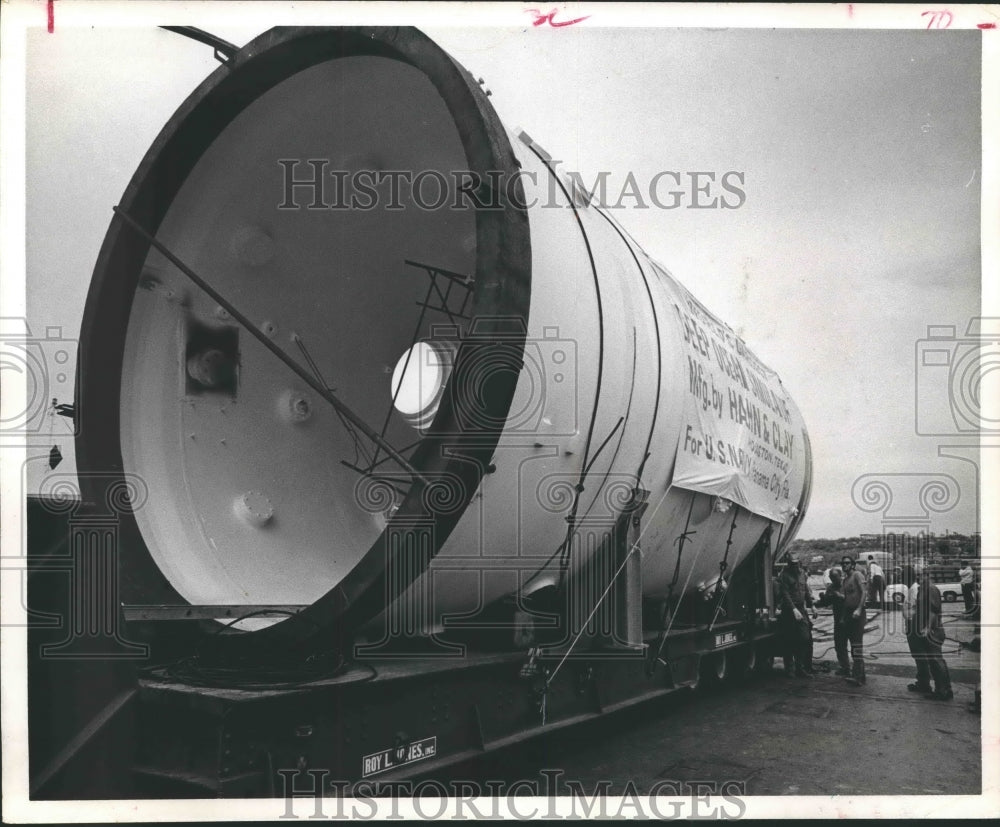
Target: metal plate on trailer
<point>388,759</point>
<point>725,639</point>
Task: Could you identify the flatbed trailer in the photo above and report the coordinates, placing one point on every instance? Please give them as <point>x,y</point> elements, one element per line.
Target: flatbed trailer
<point>396,719</point>
<point>159,727</point>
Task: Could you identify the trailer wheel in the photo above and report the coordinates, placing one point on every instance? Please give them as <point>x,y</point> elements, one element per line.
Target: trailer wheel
<point>688,671</point>
<point>763,662</point>
<point>715,668</point>
<point>696,682</point>
<point>744,662</point>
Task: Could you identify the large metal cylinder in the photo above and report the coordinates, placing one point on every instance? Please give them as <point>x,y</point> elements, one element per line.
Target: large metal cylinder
<point>462,308</point>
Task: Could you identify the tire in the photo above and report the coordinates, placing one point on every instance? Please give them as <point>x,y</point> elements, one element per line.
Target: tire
<point>898,597</point>
<point>949,597</point>
<point>715,668</point>
<point>742,663</point>
<point>697,675</point>
<point>763,664</point>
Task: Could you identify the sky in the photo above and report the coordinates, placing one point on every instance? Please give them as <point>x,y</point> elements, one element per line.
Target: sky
<point>861,159</point>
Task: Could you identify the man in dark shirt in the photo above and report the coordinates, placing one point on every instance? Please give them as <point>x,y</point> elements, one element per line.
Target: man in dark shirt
<point>929,633</point>
<point>855,595</point>
<point>834,598</point>
<point>794,598</point>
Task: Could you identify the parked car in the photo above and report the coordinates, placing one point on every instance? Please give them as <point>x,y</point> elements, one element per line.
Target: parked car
<point>950,592</point>
<point>817,585</point>
<point>860,567</point>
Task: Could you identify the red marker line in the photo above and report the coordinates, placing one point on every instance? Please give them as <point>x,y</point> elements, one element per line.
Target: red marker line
<point>52,15</point>
<point>541,19</point>
<point>556,25</point>
<point>987,26</point>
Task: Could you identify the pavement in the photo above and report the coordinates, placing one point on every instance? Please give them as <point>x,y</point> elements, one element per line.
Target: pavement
<point>776,735</point>
<point>784,737</point>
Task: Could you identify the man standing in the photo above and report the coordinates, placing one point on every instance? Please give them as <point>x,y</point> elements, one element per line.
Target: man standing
<point>786,653</point>
<point>855,618</point>
<point>834,598</point>
<point>794,597</point>
<point>929,632</point>
<point>967,577</point>
<point>913,640</point>
<point>876,580</point>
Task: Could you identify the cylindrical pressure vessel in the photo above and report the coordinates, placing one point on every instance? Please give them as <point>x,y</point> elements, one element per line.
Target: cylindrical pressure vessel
<point>367,348</point>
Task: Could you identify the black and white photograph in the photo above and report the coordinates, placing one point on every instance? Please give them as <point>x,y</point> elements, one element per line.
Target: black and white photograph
<point>452,411</point>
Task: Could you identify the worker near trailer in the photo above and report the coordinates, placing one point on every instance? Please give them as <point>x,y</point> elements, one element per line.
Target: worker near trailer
<point>795,599</point>
<point>876,583</point>
<point>834,598</point>
<point>967,577</point>
<point>913,640</point>
<point>855,595</point>
<point>786,653</point>
<point>927,632</point>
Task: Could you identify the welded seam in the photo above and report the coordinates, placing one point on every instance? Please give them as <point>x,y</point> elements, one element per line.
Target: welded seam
<point>656,327</point>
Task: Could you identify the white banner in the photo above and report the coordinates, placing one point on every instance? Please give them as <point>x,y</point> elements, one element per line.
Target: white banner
<point>738,438</point>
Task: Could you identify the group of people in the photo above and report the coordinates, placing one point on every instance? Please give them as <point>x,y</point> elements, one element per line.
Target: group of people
<point>847,597</point>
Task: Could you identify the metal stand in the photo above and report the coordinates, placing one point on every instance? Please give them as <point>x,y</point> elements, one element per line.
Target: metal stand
<point>625,606</point>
